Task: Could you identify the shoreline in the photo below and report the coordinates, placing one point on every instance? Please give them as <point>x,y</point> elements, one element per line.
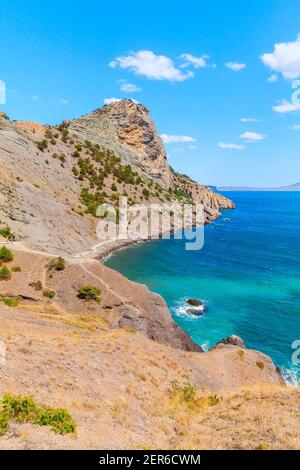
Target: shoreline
<point>113,251</point>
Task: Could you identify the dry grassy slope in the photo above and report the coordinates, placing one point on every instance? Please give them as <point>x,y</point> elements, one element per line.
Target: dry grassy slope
<point>90,359</point>
<point>117,386</point>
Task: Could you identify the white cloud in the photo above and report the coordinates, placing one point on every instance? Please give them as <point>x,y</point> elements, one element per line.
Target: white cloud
<point>152,66</point>
<point>196,62</point>
<point>284,59</point>
<point>273,78</point>
<point>129,88</point>
<point>63,101</point>
<point>286,107</point>
<point>250,120</point>
<point>192,147</point>
<point>170,139</point>
<point>116,100</point>
<point>111,100</point>
<point>235,66</point>
<point>252,136</point>
<point>223,145</point>
<point>295,127</point>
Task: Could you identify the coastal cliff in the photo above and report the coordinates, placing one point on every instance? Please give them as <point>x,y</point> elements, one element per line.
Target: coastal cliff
<point>53,178</point>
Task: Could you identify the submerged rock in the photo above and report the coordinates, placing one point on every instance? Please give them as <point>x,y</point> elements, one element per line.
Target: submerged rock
<point>195,312</point>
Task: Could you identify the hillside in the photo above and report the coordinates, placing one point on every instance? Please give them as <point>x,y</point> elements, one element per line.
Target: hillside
<point>94,350</point>
<point>52,179</point>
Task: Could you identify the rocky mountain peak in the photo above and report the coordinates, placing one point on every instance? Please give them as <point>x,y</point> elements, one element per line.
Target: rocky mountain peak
<point>127,128</point>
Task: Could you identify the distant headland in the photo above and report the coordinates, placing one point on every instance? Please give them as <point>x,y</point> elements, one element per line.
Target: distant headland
<point>291,187</point>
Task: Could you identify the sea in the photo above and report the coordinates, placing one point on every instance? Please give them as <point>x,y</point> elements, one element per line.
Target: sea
<point>247,274</point>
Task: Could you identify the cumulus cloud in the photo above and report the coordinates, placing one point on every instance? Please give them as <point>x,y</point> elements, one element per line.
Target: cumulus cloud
<point>252,136</point>
<point>295,127</point>
<point>129,88</point>
<point>150,65</point>
<point>284,59</point>
<point>286,107</point>
<point>223,145</point>
<point>273,78</point>
<point>170,139</point>
<point>250,120</point>
<point>235,66</point>
<point>196,62</point>
<point>111,100</point>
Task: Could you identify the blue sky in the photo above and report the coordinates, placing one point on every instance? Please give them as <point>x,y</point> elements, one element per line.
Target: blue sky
<point>197,66</point>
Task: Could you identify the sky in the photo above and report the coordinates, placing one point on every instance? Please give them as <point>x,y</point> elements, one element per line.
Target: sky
<point>218,77</point>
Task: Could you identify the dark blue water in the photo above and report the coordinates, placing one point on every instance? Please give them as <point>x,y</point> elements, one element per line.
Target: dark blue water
<point>248,273</point>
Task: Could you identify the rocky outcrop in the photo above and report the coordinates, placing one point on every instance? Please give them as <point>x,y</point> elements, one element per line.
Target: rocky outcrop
<point>231,341</point>
<point>195,303</point>
<point>127,128</point>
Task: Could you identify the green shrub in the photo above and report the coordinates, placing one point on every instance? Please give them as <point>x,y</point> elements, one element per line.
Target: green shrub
<point>24,409</point>
<point>260,365</point>
<point>6,233</point>
<point>114,187</point>
<point>5,274</point>
<point>5,254</point>
<point>3,424</point>
<point>37,285</point>
<point>42,145</point>
<point>146,193</point>
<point>60,420</point>
<point>20,408</point>
<point>57,264</point>
<point>49,293</point>
<point>89,292</point>
<point>16,269</point>
<point>9,301</point>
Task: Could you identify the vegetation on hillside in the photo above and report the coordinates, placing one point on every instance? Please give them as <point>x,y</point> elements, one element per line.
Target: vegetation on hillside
<point>89,292</point>
<point>23,409</point>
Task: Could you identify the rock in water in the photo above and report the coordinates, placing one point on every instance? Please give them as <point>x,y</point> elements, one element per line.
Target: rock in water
<point>195,312</point>
<point>196,303</point>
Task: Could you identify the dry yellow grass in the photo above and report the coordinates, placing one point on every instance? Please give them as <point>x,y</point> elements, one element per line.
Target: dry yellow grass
<point>128,392</point>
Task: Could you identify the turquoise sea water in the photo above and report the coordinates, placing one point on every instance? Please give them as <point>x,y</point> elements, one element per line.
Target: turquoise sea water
<point>248,274</point>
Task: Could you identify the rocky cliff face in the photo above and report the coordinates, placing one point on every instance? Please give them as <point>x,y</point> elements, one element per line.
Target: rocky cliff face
<point>44,171</point>
<point>128,129</point>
